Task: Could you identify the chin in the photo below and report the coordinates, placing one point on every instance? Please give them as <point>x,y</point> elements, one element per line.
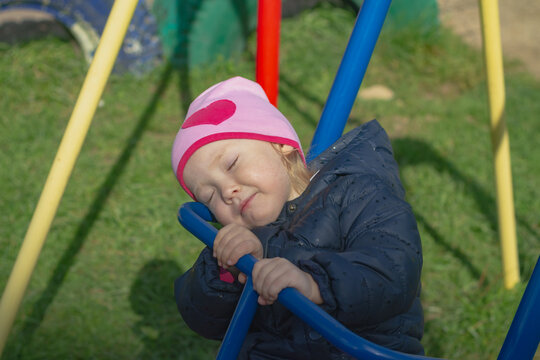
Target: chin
<point>265,220</point>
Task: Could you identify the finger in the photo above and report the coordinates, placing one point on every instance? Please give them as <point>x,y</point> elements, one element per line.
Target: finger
<point>221,244</point>
<point>229,247</point>
<point>242,242</point>
<point>282,275</point>
<point>243,247</point>
<point>217,246</point>
<point>262,301</point>
<point>273,286</point>
<point>242,278</point>
<point>263,274</point>
<point>235,241</point>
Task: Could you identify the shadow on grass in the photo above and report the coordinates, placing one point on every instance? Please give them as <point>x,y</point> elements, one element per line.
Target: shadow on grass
<point>290,92</point>
<point>411,152</point>
<point>160,328</point>
<point>179,64</point>
<point>39,309</point>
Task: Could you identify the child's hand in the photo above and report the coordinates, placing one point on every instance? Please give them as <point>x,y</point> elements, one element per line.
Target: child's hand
<point>234,241</point>
<point>270,276</point>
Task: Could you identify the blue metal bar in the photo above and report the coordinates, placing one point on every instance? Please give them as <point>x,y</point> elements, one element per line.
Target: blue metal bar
<point>349,76</point>
<point>240,323</point>
<point>192,215</point>
<point>524,334</point>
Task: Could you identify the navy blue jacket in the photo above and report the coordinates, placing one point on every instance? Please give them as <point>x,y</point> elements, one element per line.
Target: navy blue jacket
<point>353,231</point>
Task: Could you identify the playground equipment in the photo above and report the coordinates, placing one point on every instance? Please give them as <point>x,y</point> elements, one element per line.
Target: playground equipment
<point>523,337</point>
<point>86,20</point>
<point>100,69</point>
<point>191,32</point>
<point>521,340</point>
<point>349,76</point>
<point>267,68</point>
<point>193,216</point>
<point>195,32</point>
<point>63,163</point>
<point>500,142</point>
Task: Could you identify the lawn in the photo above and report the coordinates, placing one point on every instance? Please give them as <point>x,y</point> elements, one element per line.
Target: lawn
<point>102,288</point>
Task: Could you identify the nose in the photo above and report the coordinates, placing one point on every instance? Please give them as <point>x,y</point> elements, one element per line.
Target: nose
<point>230,192</point>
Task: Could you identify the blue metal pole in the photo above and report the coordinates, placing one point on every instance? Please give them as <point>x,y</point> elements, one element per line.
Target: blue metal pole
<point>240,323</point>
<point>349,76</point>
<point>192,216</point>
<point>524,334</point>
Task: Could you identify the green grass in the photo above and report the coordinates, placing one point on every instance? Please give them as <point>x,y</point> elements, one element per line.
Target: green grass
<point>102,288</point>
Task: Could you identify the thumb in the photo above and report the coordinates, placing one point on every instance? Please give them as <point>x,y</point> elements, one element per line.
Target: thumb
<point>242,278</point>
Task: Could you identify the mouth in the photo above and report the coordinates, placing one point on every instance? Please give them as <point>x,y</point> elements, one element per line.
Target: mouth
<point>244,204</point>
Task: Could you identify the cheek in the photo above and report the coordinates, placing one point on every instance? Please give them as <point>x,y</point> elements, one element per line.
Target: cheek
<point>222,214</point>
<point>280,184</point>
<point>273,172</point>
<point>219,214</point>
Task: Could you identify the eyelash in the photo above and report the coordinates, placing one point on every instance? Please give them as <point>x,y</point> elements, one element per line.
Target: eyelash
<point>228,169</point>
<point>232,164</point>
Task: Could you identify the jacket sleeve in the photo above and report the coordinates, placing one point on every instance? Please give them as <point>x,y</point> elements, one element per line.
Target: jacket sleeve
<point>205,302</point>
<point>375,275</point>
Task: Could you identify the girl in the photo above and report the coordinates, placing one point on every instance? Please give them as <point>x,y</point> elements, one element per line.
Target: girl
<point>340,231</point>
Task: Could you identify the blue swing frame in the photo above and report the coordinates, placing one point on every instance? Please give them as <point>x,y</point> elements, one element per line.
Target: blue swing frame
<point>524,334</point>
<point>521,340</point>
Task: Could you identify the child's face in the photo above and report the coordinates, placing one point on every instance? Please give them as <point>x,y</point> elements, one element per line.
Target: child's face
<point>241,181</point>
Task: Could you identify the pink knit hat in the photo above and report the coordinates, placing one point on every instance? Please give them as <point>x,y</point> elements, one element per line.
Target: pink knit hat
<point>232,109</point>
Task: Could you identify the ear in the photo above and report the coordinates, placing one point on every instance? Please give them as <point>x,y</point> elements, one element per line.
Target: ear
<point>286,149</point>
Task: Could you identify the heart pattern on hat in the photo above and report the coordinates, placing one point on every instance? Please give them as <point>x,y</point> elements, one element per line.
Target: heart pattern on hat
<point>214,114</point>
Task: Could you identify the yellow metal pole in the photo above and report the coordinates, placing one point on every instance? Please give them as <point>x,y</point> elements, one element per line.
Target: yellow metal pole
<point>68,151</point>
<point>489,10</point>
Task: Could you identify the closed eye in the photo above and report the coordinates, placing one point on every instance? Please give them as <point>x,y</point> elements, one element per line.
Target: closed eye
<point>232,163</point>
<point>210,198</point>
<point>205,197</point>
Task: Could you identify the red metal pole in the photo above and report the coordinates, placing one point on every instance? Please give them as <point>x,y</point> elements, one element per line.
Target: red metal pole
<point>267,67</point>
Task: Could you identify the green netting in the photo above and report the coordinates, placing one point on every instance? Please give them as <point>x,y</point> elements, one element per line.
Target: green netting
<point>196,32</point>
